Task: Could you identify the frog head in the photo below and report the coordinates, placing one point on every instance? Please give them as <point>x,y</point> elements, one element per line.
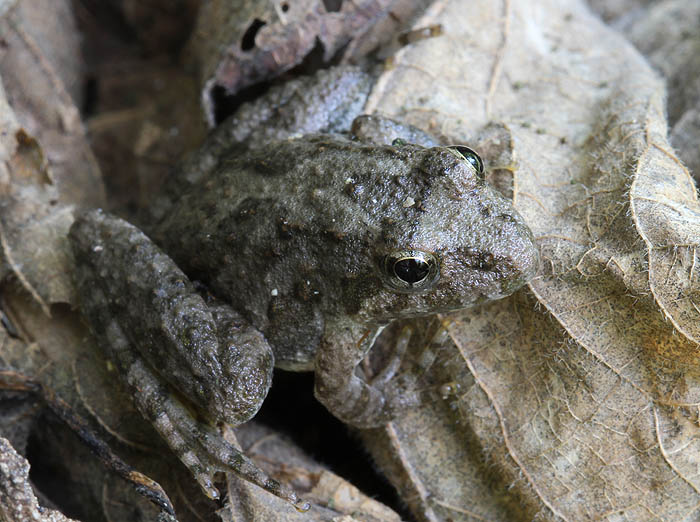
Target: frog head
<point>462,243</point>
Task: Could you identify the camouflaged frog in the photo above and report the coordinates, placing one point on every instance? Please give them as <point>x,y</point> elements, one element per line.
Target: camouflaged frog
<point>311,244</point>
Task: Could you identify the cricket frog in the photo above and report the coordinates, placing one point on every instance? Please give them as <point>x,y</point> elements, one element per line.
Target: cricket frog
<point>309,244</point>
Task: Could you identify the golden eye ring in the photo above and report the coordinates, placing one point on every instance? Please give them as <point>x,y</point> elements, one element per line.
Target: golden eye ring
<point>470,156</point>
<point>411,270</point>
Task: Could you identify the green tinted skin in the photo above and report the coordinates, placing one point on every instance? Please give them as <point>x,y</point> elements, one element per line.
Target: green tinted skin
<point>311,246</point>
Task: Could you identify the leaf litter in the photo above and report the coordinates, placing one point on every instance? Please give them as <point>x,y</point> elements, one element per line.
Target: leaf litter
<point>578,399</point>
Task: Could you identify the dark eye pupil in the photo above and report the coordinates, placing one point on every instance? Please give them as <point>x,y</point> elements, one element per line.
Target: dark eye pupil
<point>471,156</point>
<point>411,270</point>
<point>471,159</point>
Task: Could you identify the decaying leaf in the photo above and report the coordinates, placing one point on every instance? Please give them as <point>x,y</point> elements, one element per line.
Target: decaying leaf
<point>41,70</point>
<point>331,496</point>
<point>667,35</point>
<point>240,43</point>
<point>45,162</point>
<point>579,403</point>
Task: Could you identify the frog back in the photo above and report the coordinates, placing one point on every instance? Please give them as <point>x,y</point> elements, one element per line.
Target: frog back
<point>294,231</point>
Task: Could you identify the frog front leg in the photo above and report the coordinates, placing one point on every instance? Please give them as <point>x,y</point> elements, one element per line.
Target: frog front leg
<point>338,386</point>
<point>162,337</point>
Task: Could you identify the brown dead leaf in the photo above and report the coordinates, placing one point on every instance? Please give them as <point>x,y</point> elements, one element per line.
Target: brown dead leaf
<point>32,224</point>
<point>240,43</point>
<point>45,161</point>
<point>332,497</point>
<point>41,70</point>
<point>664,196</point>
<point>667,35</point>
<point>343,497</point>
<point>579,403</point>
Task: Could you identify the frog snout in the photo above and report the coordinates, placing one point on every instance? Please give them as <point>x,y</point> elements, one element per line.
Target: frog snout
<point>524,259</point>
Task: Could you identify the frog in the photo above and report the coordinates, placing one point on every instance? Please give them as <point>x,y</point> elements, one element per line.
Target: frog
<point>290,243</point>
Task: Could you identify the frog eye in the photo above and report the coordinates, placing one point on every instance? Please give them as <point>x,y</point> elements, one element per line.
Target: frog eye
<point>411,270</point>
<point>470,156</point>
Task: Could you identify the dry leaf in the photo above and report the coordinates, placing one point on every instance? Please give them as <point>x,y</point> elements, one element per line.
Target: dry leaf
<point>580,403</point>
<point>45,162</point>
<point>667,35</point>
<point>331,496</point>
<point>41,72</point>
<point>241,43</point>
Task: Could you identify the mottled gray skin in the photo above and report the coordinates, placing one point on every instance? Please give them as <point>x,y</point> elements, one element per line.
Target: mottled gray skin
<point>325,102</point>
<point>293,234</point>
<point>192,344</point>
<point>384,131</point>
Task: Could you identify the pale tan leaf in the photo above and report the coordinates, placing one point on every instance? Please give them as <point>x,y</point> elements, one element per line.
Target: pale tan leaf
<point>45,161</point>
<point>582,400</point>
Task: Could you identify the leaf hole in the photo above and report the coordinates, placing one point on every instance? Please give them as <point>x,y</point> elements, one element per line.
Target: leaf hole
<point>332,6</point>
<point>248,40</point>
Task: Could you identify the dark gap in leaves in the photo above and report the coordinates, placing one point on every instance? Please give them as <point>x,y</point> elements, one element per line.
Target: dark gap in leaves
<point>338,56</point>
<point>248,40</point>
<point>48,472</point>
<point>90,96</point>
<point>226,104</point>
<point>312,62</point>
<point>9,326</point>
<point>109,17</point>
<point>332,6</point>
<point>292,409</point>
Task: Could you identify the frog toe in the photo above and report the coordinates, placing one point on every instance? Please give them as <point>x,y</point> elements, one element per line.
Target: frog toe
<point>204,451</point>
